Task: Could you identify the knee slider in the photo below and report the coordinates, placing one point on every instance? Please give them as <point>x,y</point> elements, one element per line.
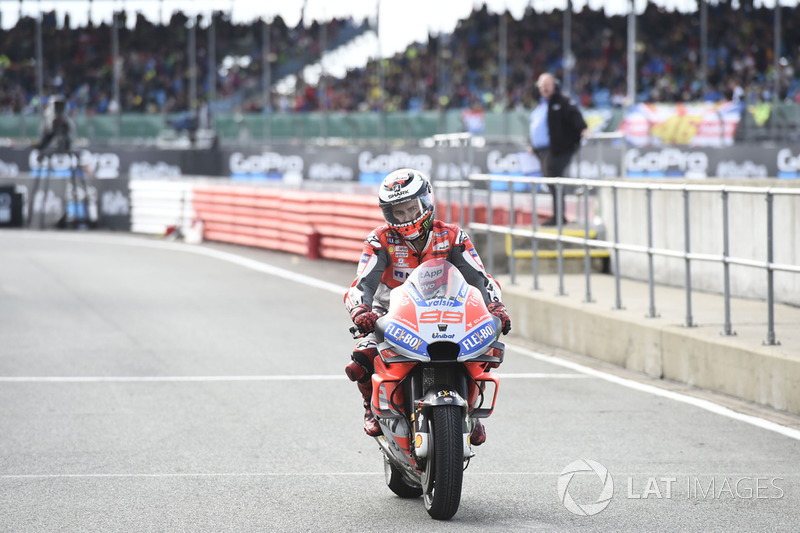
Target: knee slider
<point>360,368</point>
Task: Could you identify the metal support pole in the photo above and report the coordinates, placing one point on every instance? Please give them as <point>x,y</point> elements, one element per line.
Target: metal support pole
<point>560,244</point>
<point>770,275</point>
<point>511,266</point>
<point>776,59</point>
<point>587,259</point>
<point>471,200</point>
<point>704,44</point>
<point>650,275</point>
<point>489,217</point>
<point>534,240</point>
<point>212,73</point>
<point>323,88</point>
<point>462,175</point>
<point>502,75</point>
<point>266,72</point>
<point>115,74</point>
<point>631,54</point>
<point>39,62</point>
<point>380,74</point>
<point>449,183</point>
<point>687,246</point>
<point>567,49</point>
<point>192,50</point>
<point>617,290</point>
<point>726,267</point>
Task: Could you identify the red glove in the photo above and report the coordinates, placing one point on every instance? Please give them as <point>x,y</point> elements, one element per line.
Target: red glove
<point>363,317</point>
<point>499,310</point>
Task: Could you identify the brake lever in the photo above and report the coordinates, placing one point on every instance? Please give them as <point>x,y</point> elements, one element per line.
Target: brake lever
<point>357,333</point>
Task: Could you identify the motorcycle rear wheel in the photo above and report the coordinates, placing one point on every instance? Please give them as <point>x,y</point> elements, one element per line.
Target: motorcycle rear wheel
<point>397,483</point>
<point>444,469</point>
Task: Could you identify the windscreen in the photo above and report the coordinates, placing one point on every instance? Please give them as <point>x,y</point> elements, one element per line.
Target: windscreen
<point>437,279</point>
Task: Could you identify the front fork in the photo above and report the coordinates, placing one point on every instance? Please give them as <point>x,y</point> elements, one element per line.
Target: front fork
<point>434,398</point>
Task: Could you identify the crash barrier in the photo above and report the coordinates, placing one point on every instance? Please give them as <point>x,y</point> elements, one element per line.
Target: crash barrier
<point>683,248</point>
<point>160,207</point>
<point>316,224</point>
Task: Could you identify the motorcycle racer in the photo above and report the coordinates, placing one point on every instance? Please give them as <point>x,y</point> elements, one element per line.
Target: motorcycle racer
<point>390,253</point>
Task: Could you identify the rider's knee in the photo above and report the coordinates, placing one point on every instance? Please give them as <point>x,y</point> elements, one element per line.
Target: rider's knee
<point>361,367</point>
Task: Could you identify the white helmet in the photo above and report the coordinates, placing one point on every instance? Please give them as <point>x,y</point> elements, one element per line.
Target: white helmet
<point>406,199</point>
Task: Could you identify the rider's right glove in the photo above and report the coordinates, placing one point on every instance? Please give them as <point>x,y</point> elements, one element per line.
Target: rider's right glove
<point>499,310</point>
<point>363,317</point>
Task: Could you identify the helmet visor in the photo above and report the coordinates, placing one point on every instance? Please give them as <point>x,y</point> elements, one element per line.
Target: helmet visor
<point>408,211</point>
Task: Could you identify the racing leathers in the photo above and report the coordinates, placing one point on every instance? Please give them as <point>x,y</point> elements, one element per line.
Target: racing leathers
<point>387,260</point>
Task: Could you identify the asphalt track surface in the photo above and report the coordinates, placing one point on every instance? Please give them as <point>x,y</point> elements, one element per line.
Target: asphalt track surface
<point>154,386</point>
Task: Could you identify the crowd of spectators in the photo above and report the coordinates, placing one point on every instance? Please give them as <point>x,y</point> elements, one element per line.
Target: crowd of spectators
<point>740,54</point>
<point>458,71</point>
<point>154,61</point>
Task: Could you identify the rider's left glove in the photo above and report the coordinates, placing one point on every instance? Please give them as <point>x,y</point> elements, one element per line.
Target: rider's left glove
<point>363,317</point>
<point>499,310</point>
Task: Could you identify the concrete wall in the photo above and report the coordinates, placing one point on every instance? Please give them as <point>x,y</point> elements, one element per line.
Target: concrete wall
<point>740,366</point>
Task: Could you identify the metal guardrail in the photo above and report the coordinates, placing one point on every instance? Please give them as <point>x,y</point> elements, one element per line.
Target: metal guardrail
<point>616,246</point>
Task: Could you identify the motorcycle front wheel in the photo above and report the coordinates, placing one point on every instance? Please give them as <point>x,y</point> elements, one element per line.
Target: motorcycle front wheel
<point>444,469</point>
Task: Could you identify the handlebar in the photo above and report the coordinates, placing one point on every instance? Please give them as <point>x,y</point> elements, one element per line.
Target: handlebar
<point>357,333</point>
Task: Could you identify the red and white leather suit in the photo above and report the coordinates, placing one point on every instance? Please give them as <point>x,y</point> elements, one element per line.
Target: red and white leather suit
<point>387,260</point>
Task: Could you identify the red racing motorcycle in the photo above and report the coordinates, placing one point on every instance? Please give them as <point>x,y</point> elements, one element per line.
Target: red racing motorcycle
<point>437,345</point>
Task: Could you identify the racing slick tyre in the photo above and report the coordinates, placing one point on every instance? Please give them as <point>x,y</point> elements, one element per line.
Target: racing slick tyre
<point>444,469</point>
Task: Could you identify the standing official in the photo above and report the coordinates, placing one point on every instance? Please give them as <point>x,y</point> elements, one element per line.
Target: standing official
<point>556,129</point>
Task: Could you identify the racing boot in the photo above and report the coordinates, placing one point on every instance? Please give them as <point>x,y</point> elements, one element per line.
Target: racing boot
<point>360,370</point>
<point>478,435</point>
<point>371,426</point>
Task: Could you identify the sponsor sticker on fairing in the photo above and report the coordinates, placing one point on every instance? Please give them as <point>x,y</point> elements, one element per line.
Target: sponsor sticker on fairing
<point>404,338</point>
<point>478,339</point>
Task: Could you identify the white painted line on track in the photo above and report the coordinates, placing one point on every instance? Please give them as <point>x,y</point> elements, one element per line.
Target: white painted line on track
<point>168,379</point>
<point>338,289</point>
<point>211,379</point>
<point>657,391</point>
<point>192,474</point>
<point>165,475</point>
<point>541,375</point>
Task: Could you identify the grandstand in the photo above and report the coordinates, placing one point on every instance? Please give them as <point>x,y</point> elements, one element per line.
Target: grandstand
<point>161,75</point>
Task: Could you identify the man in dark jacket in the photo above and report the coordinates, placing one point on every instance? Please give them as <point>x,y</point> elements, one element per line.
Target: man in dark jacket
<point>556,129</point>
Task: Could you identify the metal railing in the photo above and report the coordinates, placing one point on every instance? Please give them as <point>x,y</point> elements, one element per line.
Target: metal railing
<point>462,142</point>
<point>477,182</point>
